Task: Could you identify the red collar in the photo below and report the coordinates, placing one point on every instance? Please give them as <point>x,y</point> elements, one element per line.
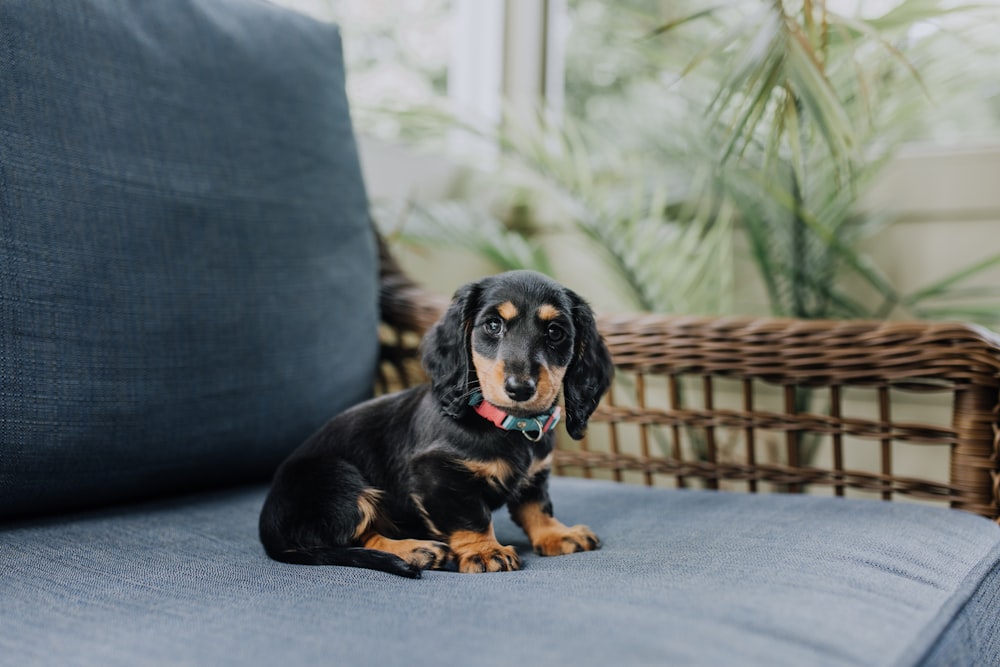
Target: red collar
<point>533,428</point>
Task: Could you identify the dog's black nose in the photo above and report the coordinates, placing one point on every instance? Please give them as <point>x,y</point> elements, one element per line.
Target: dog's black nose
<point>519,390</point>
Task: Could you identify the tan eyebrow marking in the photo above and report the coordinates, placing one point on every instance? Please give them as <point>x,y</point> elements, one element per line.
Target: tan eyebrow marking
<point>548,312</point>
<point>507,310</point>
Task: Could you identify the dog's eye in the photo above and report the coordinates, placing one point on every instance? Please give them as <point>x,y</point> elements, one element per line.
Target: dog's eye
<point>493,327</point>
<point>555,333</point>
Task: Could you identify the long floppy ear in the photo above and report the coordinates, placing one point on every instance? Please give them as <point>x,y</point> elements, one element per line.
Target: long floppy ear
<point>590,372</point>
<point>446,352</point>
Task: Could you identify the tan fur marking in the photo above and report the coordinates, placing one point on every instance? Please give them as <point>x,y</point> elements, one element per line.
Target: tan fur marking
<point>547,312</point>
<point>373,540</point>
<point>490,373</point>
<point>507,310</point>
<point>549,384</point>
<point>534,521</point>
<point>538,465</point>
<point>425,554</point>
<point>368,505</point>
<point>481,552</point>
<point>497,472</point>
<point>419,503</point>
<point>549,536</point>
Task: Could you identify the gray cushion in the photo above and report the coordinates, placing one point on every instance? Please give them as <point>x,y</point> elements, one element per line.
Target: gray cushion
<point>187,274</point>
<point>684,578</point>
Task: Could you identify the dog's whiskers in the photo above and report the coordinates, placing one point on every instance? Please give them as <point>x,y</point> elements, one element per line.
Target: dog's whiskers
<point>474,389</point>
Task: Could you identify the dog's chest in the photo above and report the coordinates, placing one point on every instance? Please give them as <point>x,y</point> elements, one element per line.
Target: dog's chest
<point>506,477</point>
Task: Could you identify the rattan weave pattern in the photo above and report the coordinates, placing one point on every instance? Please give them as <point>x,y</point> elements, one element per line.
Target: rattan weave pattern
<point>776,421</point>
<point>786,356</point>
<point>806,352</point>
<point>776,474</point>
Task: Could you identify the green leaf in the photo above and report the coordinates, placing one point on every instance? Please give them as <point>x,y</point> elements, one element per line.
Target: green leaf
<point>812,88</point>
<point>941,287</point>
<point>756,108</point>
<point>909,12</point>
<point>852,258</point>
<point>989,316</point>
<point>873,34</point>
<point>723,43</point>
<point>689,18</point>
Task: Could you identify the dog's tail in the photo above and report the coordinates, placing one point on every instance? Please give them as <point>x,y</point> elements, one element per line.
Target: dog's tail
<point>349,557</point>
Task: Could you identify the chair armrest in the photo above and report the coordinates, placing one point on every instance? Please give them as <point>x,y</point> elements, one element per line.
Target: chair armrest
<point>715,374</point>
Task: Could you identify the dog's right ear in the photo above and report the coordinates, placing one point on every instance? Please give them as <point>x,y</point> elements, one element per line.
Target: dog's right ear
<point>590,372</point>
<point>447,354</point>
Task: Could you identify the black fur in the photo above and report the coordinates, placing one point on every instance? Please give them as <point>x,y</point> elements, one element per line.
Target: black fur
<point>422,467</point>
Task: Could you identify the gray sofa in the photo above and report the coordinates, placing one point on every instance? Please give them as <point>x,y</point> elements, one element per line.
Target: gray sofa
<point>189,286</point>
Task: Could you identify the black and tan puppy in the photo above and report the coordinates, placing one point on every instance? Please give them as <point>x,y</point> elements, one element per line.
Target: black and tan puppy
<point>408,481</point>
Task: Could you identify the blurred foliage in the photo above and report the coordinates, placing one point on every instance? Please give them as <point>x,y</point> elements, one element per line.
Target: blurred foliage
<point>806,106</point>
<point>612,69</point>
<point>551,179</point>
<point>692,130</point>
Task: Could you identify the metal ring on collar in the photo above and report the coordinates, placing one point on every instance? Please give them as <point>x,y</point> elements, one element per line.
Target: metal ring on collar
<point>541,432</point>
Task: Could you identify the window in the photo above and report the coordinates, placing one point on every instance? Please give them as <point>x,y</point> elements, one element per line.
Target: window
<point>589,59</point>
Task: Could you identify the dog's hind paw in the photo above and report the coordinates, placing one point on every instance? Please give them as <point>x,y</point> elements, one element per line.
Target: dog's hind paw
<point>429,555</point>
<point>423,554</point>
<point>557,541</point>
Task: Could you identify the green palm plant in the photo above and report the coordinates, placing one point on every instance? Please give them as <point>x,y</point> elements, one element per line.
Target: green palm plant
<point>591,188</point>
<point>789,110</point>
<point>808,106</point>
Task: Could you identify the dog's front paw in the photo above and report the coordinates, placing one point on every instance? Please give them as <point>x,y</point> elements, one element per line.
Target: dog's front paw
<point>560,539</point>
<point>480,552</point>
<point>488,558</point>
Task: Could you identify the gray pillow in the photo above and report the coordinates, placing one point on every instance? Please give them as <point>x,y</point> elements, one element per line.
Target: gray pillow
<point>188,279</point>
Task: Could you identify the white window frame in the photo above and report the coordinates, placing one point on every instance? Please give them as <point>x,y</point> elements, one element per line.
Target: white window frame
<point>505,53</point>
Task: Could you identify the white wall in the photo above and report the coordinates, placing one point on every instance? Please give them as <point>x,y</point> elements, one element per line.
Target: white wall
<point>948,202</point>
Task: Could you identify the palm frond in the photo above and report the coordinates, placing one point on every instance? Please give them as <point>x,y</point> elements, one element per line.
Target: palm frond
<point>946,286</point>
<point>910,12</point>
<point>689,18</point>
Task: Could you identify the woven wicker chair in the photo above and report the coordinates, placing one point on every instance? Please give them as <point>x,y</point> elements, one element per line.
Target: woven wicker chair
<point>699,400</point>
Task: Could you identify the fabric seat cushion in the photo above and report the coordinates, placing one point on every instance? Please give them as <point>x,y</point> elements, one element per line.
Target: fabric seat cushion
<point>683,578</point>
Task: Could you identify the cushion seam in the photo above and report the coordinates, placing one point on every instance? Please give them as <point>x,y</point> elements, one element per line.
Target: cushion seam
<point>958,601</point>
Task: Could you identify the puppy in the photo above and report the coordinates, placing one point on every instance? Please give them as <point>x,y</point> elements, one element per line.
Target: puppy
<point>409,481</point>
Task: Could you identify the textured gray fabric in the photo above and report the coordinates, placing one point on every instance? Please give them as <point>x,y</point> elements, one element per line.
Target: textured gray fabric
<point>187,274</point>
<point>684,578</point>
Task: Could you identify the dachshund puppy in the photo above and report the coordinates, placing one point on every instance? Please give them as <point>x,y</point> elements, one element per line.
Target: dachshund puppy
<point>409,481</point>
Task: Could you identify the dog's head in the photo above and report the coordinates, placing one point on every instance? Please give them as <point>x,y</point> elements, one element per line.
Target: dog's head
<point>518,337</point>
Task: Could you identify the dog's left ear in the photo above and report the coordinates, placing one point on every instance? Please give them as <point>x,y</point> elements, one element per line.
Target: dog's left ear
<point>446,352</point>
<point>590,372</point>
